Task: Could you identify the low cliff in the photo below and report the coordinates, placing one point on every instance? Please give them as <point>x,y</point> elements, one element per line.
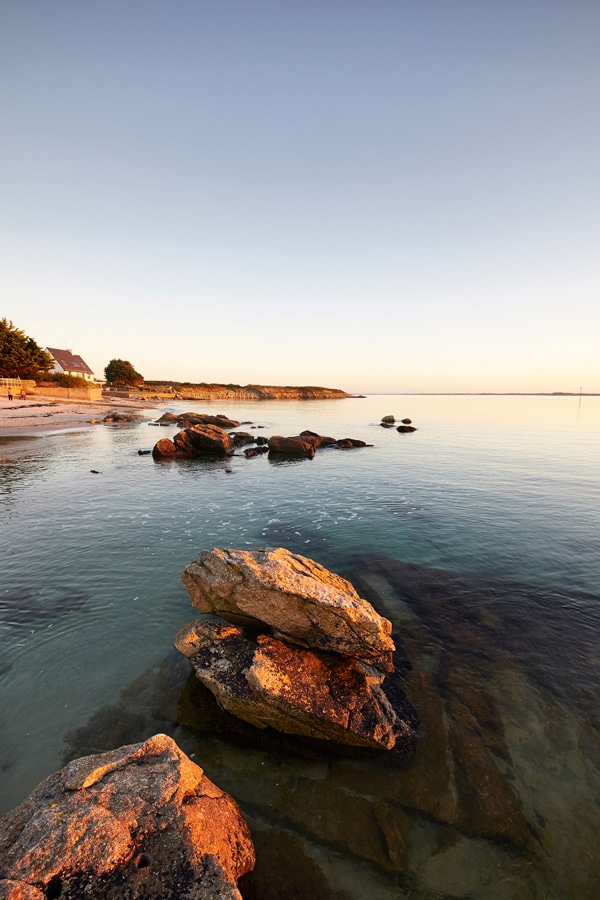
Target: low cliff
<point>248,392</point>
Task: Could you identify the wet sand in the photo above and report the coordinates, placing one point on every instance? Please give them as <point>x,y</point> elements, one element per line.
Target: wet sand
<point>43,414</point>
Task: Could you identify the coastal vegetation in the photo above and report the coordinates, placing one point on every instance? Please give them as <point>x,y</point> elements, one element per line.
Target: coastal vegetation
<point>62,379</point>
<point>121,371</point>
<point>20,355</point>
<point>210,391</point>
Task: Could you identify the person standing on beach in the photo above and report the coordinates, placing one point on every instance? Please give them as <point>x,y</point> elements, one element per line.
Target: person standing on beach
<point>10,393</point>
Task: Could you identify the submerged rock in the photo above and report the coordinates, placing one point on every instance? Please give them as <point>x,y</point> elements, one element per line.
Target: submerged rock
<point>249,452</point>
<point>116,418</point>
<point>28,607</point>
<point>348,443</point>
<point>303,602</point>
<point>241,438</point>
<point>267,683</point>
<point>141,821</point>
<point>311,655</point>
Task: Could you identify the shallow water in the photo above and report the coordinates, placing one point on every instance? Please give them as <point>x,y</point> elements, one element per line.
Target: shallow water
<point>494,499</point>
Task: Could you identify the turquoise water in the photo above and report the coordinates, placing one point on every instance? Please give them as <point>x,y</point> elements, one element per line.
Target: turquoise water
<point>499,490</point>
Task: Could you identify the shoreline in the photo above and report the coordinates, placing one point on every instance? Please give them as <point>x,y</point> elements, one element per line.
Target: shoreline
<point>44,415</point>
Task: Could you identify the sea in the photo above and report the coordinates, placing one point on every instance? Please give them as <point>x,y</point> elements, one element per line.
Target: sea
<point>477,535</point>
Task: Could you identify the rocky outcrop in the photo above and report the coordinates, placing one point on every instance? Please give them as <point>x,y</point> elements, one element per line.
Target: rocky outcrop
<point>405,428</point>
<point>349,443</point>
<point>307,443</point>
<point>248,392</point>
<point>166,449</point>
<point>241,438</point>
<point>118,418</point>
<point>304,654</point>
<point>199,440</point>
<point>267,683</point>
<point>188,419</point>
<point>209,438</point>
<point>300,600</point>
<point>249,452</point>
<point>291,446</point>
<point>317,440</point>
<point>141,821</point>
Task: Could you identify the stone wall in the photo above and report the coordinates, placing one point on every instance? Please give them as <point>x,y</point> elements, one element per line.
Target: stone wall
<point>64,393</point>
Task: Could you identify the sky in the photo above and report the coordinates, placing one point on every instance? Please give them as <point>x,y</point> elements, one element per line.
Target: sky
<point>379,196</point>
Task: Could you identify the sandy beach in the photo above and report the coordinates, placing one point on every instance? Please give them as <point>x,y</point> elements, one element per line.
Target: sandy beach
<point>38,414</point>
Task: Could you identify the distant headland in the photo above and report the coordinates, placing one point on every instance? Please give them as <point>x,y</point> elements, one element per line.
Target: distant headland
<point>203,391</point>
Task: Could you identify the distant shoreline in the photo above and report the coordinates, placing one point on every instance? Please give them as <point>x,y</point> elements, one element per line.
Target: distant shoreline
<point>478,394</point>
<point>175,390</point>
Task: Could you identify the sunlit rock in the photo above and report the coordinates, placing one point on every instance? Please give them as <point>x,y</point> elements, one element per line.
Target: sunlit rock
<point>302,601</point>
<point>267,683</point>
<point>199,440</point>
<point>188,419</point>
<point>166,449</point>
<point>348,443</point>
<point>292,446</point>
<point>141,821</point>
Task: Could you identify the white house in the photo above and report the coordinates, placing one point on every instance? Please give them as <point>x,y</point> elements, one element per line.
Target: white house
<point>69,363</point>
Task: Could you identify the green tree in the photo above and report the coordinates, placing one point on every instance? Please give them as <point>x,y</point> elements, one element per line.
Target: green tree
<point>20,356</point>
<point>120,371</point>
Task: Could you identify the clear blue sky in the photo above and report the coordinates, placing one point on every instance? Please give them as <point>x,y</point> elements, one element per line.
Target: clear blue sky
<point>377,195</point>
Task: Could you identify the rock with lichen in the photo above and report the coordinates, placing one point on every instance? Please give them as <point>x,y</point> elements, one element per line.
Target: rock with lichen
<point>141,821</point>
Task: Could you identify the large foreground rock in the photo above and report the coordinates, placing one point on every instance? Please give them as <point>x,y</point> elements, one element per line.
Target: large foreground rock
<point>303,602</point>
<point>266,683</point>
<point>141,821</point>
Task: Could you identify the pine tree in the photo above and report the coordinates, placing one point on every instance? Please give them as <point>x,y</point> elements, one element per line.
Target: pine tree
<point>20,356</point>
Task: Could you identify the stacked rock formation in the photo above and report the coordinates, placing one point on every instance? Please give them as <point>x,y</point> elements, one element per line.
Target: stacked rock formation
<point>140,821</point>
<point>301,652</point>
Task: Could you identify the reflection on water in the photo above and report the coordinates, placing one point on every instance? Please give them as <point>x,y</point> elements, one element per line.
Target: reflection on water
<point>19,466</point>
<point>502,801</point>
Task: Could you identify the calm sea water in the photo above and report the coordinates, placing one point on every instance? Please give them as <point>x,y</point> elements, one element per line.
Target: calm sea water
<point>495,503</point>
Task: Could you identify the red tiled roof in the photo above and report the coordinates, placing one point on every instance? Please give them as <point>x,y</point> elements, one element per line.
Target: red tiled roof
<point>70,362</point>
